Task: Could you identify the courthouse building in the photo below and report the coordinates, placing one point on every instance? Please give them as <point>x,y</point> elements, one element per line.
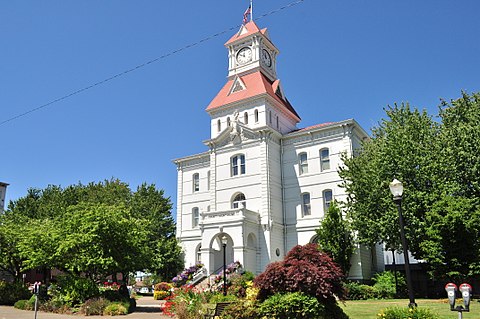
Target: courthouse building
<point>263,184</point>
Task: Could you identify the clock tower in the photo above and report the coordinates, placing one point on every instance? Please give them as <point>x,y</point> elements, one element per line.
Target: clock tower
<point>250,50</point>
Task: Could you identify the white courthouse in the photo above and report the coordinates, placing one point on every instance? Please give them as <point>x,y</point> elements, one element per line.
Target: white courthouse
<point>263,183</point>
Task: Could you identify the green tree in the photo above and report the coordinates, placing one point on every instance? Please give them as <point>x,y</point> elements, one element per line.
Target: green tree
<point>402,147</point>
<point>335,238</point>
<point>96,229</point>
<point>439,165</point>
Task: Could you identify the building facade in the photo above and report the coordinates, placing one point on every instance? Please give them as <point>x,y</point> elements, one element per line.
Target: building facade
<point>263,185</point>
<point>3,191</point>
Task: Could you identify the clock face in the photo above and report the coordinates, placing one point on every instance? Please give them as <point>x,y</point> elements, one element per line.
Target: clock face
<point>266,58</point>
<point>244,55</point>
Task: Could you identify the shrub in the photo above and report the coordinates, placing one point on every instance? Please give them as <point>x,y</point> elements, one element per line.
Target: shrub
<point>12,292</point>
<point>115,309</point>
<point>186,275</point>
<point>384,287</point>
<point>185,303</point>
<point>305,269</point>
<point>241,310</point>
<point>76,290</point>
<point>22,305</point>
<point>94,306</point>
<point>292,305</point>
<point>162,290</point>
<point>406,313</point>
<point>356,291</point>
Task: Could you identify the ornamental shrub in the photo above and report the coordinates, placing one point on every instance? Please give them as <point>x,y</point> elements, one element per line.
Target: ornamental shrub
<point>94,307</point>
<point>356,291</point>
<point>406,313</point>
<point>384,287</point>
<point>12,292</point>
<point>241,310</point>
<point>115,309</point>
<point>292,305</point>
<point>305,269</point>
<point>76,290</point>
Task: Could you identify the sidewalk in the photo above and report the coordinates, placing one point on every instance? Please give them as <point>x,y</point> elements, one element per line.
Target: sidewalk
<point>147,308</point>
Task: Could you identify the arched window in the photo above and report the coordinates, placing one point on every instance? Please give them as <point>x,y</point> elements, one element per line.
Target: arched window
<point>219,125</point>
<point>196,182</point>
<point>270,117</point>
<point>228,121</point>
<point>239,201</point>
<point>306,209</point>
<point>277,122</point>
<point>327,199</point>
<point>195,217</point>
<point>324,159</point>
<point>302,163</point>
<point>245,118</point>
<point>238,165</point>
<point>256,116</point>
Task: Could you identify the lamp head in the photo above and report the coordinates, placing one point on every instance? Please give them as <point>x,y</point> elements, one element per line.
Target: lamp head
<point>224,240</point>
<point>396,188</point>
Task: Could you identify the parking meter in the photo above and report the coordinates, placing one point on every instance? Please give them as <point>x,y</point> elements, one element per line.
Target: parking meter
<point>466,291</point>
<point>451,289</point>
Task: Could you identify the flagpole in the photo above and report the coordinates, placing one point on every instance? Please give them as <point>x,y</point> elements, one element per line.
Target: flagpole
<point>251,10</point>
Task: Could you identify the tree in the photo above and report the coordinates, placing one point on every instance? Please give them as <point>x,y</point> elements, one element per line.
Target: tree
<point>335,238</point>
<point>402,147</point>
<point>439,165</point>
<point>95,229</point>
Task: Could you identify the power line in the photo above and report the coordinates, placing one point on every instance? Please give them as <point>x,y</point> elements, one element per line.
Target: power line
<point>188,46</point>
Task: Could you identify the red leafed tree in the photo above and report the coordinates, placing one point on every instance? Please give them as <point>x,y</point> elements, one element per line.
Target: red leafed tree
<point>305,269</point>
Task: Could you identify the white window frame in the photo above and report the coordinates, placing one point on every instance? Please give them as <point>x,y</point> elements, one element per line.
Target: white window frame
<point>256,116</point>
<point>324,160</point>
<point>237,165</point>
<point>196,182</point>
<point>306,204</point>
<point>239,201</point>
<point>327,201</point>
<point>302,163</point>
<point>195,217</point>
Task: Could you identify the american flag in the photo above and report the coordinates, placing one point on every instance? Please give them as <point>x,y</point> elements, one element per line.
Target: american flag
<point>246,14</point>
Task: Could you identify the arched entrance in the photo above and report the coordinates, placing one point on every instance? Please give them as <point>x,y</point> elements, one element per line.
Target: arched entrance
<point>217,248</point>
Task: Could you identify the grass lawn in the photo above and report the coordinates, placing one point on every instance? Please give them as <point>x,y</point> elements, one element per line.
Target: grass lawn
<point>368,309</point>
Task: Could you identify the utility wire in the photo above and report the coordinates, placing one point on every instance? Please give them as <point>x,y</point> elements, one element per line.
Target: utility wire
<point>188,46</point>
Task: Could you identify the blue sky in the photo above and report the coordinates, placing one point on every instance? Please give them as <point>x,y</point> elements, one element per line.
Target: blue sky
<point>339,60</point>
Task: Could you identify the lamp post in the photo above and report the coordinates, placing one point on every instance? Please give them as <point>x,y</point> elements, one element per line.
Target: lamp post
<point>396,188</point>
<point>224,244</point>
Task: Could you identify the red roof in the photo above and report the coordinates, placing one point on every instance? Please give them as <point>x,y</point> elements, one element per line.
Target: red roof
<point>251,29</point>
<point>255,84</point>
<point>315,126</point>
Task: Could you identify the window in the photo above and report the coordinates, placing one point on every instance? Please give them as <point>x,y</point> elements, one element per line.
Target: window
<point>239,201</point>
<point>306,204</point>
<point>238,165</point>
<point>277,122</point>
<point>324,159</point>
<point>245,118</point>
<point>196,182</point>
<point>327,199</point>
<point>303,163</point>
<point>256,116</point>
<point>270,116</point>
<point>228,121</point>
<point>219,125</point>
<point>195,217</point>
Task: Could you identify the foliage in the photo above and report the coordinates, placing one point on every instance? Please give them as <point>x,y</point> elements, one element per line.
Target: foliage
<point>22,305</point>
<point>160,295</point>
<point>95,306</point>
<point>239,283</point>
<point>185,303</point>
<point>357,291</point>
<point>95,229</point>
<point>439,165</point>
<point>304,269</point>
<point>74,290</point>
<point>335,237</point>
<point>406,313</point>
<point>292,305</point>
<point>115,309</point>
<point>241,310</point>
<point>384,286</point>
<point>12,292</point>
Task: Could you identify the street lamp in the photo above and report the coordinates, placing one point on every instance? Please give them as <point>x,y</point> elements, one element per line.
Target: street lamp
<point>396,188</point>
<point>224,244</point>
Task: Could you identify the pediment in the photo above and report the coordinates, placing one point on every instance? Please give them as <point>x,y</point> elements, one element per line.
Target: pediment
<point>235,134</point>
